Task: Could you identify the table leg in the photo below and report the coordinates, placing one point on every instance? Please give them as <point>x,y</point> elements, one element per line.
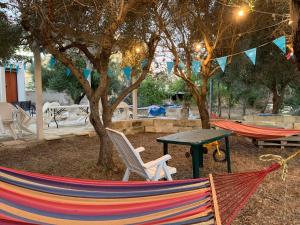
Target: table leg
<point>195,160</point>
<point>228,155</point>
<point>201,153</point>
<point>166,148</point>
<point>54,113</point>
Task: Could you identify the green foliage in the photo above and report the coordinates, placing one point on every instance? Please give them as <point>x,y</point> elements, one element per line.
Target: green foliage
<point>55,78</point>
<point>10,36</point>
<point>151,92</point>
<point>177,86</point>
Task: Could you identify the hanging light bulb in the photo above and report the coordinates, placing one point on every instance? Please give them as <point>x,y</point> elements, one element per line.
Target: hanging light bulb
<point>198,47</point>
<point>137,50</point>
<point>241,13</point>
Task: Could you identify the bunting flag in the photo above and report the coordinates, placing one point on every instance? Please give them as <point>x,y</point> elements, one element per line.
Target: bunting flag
<point>110,72</point>
<point>10,67</point>
<point>281,43</point>
<point>17,68</point>
<point>144,63</point>
<point>52,61</point>
<point>4,66</point>
<point>68,72</point>
<point>127,72</point>
<point>251,53</point>
<point>222,62</point>
<point>181,65</point>
<point>86,73</point>
<point>170,66</point>
<point>196,67</point>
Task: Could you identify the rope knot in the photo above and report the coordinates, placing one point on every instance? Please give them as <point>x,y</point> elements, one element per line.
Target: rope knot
<point>280,160</point>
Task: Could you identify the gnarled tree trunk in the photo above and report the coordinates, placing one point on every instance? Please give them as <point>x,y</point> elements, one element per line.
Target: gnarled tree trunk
<point>105,159</point>
<point>202,104</point>
<point>277,101</point>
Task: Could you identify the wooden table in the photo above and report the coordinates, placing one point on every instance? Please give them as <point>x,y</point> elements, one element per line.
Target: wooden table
<point>196,139</point>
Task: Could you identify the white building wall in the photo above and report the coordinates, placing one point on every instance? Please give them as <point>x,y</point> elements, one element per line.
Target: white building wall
<point>2,85</point>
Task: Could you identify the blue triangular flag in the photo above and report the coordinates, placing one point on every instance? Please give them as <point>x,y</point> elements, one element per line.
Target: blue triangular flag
<point>144,63</point>
<point>68,72</point>
<point>170,66</point>
<point>10,67</point>
<point>52,61</point>
<point>4,66</point>
<point>86,73</point>
<point>251,53</point>
<point>181,65</point>
<point>196,65</point>
<point>222,62</point>
<point>127,72</point>
<point>110,72</point>
<point>281,43</point>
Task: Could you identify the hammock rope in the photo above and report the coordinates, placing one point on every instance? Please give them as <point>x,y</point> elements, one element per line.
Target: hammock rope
<point>279,159</point>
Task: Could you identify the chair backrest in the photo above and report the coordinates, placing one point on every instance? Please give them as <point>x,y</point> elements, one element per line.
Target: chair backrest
<point>127,152</point>
<point>6,111</point>
<point>22,116</point>
<point>46,106</point>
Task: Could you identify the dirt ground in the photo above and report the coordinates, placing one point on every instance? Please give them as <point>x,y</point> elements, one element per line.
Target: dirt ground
<point>275,202</point>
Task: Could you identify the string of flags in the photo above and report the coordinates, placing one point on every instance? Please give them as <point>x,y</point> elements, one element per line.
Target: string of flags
<point>222,61</point>
<point>127,70</point>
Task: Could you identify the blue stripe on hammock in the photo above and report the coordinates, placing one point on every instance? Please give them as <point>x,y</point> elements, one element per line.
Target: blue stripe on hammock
<point>100,218</point>
<point>102,188</point>
<point>99,194</point>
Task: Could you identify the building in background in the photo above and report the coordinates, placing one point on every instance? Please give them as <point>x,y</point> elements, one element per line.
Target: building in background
<point>12,83</point>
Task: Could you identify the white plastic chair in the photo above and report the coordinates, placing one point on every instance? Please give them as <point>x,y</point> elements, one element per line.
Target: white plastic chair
<point>23,120</point>
<point>153,170</point>
<point>8,113</point>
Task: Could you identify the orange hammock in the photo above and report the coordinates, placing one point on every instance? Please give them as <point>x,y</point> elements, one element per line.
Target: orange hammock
<point>256,132</point>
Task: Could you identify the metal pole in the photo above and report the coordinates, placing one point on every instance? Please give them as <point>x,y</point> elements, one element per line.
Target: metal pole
<point>210,95</point>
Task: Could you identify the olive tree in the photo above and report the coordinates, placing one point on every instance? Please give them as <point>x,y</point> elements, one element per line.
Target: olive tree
<point>95,30</point>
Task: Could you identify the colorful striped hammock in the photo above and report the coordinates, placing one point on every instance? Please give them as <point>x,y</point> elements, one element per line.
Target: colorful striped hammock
<point>257,132</point>
<point>30,198</point>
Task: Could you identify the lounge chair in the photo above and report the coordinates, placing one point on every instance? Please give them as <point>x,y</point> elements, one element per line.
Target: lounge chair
<point>8,117</point>
<point>153,170</point>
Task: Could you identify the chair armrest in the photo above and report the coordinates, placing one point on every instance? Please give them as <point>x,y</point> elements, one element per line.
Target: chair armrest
<point>158,161</point>
<point>139,149</point>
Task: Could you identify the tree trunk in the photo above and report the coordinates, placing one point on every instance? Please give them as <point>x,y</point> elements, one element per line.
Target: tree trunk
<point>277,101</point>
<point>38,90</point>
<point>244,108</point>
<point>202,105</point>
<point>105,159</point>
